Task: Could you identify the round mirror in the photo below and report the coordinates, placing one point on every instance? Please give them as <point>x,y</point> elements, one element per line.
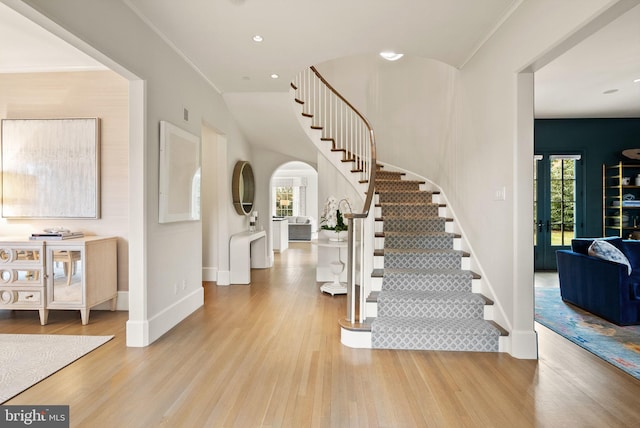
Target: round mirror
<point>243,188</point>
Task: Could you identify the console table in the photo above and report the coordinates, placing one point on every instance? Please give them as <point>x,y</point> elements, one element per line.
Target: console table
<point>247,250</point>
<point>69,274</point>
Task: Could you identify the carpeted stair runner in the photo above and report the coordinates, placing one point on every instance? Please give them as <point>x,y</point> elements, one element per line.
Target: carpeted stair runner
<point>426,300</point>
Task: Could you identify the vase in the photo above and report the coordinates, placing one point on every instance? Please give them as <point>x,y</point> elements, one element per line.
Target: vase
<point>333,236</point>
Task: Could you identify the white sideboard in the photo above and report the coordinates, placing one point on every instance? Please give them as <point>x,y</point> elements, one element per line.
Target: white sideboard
<point>70,274</point>
<point>247,250</point>
<point>280,234</point>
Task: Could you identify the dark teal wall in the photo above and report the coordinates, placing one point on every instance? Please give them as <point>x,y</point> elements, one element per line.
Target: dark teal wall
<point>599,141</point>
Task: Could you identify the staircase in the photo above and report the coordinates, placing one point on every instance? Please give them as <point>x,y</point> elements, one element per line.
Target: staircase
<point>426,300</point>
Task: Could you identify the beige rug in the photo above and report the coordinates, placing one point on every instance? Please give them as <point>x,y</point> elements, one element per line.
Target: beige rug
<point>26,359</point>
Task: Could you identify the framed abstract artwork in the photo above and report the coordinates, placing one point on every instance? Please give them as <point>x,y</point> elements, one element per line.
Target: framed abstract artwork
<point>51,168</point>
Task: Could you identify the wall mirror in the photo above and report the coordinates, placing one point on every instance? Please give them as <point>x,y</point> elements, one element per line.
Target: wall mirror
<point>243,187</point>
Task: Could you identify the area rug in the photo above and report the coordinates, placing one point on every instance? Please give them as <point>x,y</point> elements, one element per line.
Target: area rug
<point>26,359</point>
<point>617,345</point>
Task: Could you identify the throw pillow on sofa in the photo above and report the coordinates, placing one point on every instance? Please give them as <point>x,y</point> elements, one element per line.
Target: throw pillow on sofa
<point>606,251</point>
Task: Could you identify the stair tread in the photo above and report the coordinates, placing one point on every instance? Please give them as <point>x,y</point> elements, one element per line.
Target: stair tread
<point>433,296</point>
<point>356,326</point>
<point>391,218</point>
<point>407,204</point>
<point>407,191</point>
<point>380,273</point>
<point>418,233</point>
<point>383,180</point>
<point>426,234</point>
<point>461,326</point>
<point>422,271</point>
<point>424,251</point>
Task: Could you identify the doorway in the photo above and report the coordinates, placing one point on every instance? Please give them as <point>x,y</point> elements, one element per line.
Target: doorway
<point>558,210</point>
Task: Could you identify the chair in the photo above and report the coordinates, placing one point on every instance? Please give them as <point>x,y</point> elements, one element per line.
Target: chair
<point>69,258</point>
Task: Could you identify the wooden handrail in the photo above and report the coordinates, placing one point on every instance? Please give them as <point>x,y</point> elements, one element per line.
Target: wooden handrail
<point>350,133</point>
<point>372,144</point>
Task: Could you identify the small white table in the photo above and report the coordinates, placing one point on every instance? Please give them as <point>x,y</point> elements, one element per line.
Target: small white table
<point>336,267</point>
<point>247,250</point>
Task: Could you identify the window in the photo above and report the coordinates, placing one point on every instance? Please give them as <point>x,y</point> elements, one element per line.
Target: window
<point>284,201</point>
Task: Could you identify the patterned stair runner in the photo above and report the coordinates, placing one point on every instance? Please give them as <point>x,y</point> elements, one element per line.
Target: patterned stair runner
<point>426,300</point>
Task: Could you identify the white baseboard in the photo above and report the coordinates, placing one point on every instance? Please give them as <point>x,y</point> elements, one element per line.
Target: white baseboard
<point>524,344</point>
<point>209,274</point>
<point>224,277</point>
<point>143,333</point>
<point>137,334</point>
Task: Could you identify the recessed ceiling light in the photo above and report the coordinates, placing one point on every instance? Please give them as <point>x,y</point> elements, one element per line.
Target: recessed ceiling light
<point>610,91</point>
<point>636,81</point>
<point>274,76</point>
<point>257,38</point>
<point>391,56</point>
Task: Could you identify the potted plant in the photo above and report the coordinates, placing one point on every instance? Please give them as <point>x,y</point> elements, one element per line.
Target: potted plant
<point>332,218</point>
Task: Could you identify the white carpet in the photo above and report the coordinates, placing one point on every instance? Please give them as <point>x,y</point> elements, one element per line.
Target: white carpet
<point>26,359</point>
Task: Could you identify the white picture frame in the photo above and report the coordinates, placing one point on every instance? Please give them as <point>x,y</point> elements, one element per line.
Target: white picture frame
<point>51,168</point>
<point>179,170</point>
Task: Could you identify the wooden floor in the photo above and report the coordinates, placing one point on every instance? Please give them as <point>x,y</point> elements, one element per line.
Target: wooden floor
<point>269,355</point>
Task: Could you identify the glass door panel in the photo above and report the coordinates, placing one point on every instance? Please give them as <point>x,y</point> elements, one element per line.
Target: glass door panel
<point>555,206</point>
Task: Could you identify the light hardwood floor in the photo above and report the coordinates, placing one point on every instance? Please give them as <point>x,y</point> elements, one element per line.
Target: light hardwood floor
<point>269,355</point>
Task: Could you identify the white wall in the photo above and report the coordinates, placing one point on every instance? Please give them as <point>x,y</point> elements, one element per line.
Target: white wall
<point>408,102</point>
<point>168,282</point>
<point>332,183</point>
<point>214,196</point>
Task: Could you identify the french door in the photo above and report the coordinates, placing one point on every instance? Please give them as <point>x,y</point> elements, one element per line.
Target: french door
<point>557,206</point>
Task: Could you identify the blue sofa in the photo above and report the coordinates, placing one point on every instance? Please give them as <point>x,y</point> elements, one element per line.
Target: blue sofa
<point>602,287</point>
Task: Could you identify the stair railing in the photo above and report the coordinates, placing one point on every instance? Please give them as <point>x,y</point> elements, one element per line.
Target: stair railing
<point>349,132</point>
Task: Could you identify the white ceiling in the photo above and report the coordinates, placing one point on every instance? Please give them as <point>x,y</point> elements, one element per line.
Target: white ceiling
<point>574,84</point>
<point>215,36</point>
<point>27,47</point>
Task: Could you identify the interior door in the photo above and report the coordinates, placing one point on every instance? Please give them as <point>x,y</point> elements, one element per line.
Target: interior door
<point>558,210</point>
